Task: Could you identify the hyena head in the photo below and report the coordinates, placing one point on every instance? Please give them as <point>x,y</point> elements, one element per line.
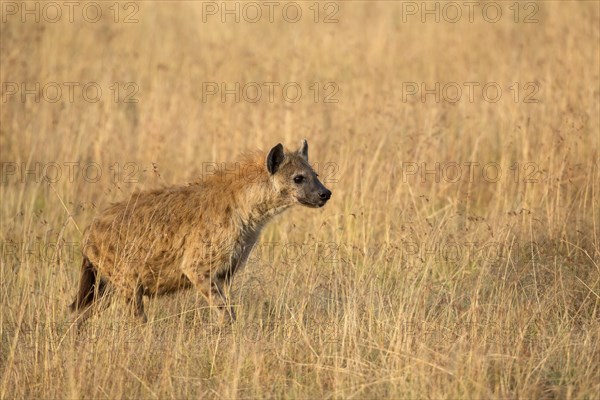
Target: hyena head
<point>294,179</point>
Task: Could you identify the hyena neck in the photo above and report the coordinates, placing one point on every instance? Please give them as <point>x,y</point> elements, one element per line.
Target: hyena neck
<point>261,205</point>
<point>256,199</point>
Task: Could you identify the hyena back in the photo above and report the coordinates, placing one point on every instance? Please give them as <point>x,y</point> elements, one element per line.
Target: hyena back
<point>197,235</point>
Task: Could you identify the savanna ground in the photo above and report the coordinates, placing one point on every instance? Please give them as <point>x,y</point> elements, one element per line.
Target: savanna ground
<point>475,277</point>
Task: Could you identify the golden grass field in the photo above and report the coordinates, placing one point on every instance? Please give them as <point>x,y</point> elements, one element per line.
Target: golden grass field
<point>480,280</point>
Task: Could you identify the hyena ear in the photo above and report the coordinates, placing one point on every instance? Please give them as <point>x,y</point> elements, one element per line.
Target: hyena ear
<point>275,158</point>
<point>303,152</point>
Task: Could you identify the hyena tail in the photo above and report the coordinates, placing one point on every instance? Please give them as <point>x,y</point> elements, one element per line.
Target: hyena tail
<point>91,287</point>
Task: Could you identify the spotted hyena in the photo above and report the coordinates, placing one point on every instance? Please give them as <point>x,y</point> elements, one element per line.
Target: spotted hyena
<point>196,235</point>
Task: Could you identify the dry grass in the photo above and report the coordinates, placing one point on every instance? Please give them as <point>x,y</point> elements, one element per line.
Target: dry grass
<point>400,287</point>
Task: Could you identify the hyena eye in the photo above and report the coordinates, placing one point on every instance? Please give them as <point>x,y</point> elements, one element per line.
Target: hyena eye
<point>299,179</point>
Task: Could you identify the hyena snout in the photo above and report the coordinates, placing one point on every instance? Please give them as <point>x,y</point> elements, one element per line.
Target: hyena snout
<point>324,195</point>
<point>317,196</point>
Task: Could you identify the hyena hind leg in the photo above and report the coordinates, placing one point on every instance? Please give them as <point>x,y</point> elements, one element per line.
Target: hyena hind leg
<point>92,289</point>
<point>95,308</point>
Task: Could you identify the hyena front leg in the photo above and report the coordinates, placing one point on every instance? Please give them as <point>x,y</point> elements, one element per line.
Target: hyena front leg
<point>211,289</point>
<point>137,303</point>
<point>217,289</point>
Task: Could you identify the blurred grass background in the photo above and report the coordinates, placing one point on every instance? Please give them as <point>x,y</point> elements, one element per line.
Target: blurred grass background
<point>378,305</point>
